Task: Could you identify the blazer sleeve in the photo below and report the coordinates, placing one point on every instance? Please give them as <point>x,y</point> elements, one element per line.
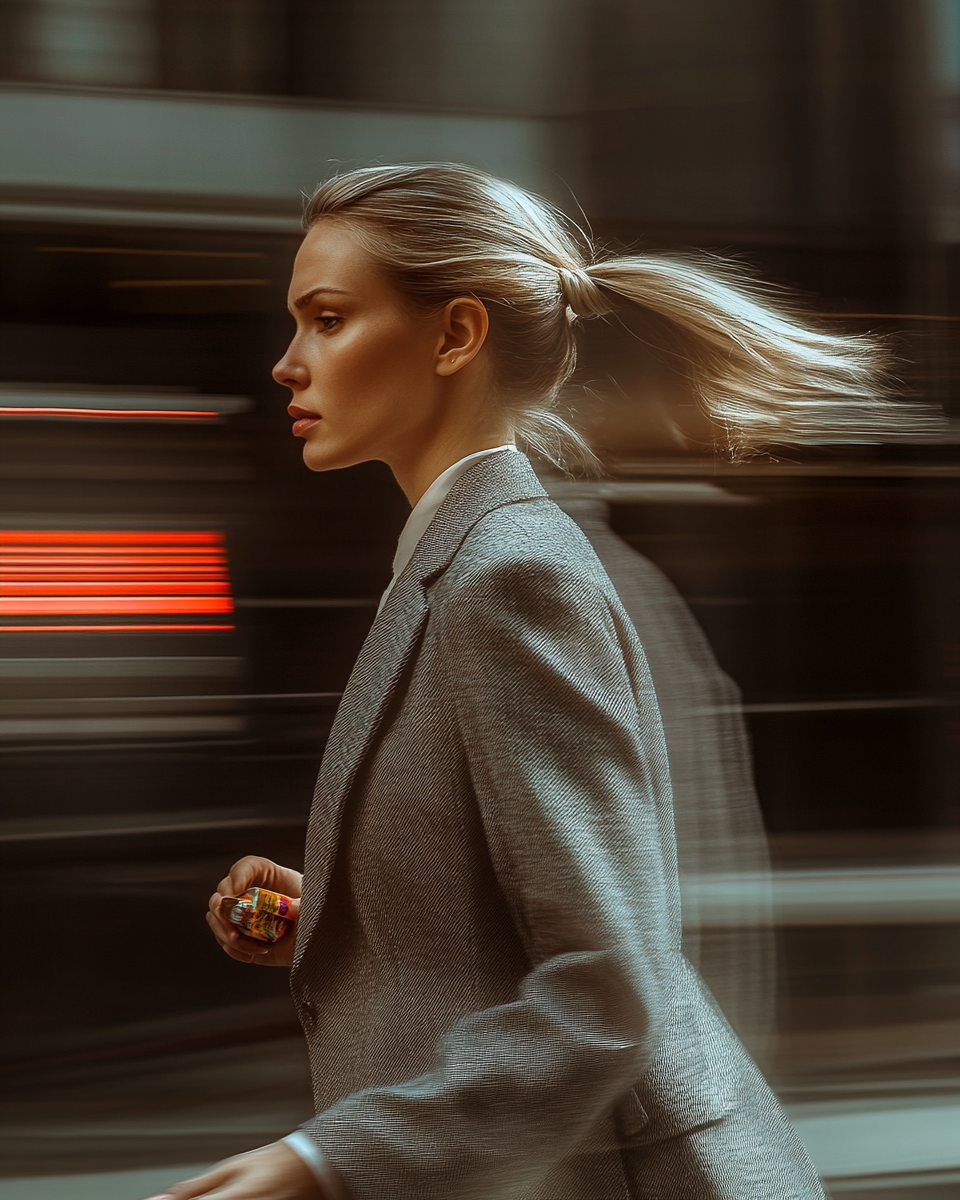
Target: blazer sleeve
<point>565,750</point>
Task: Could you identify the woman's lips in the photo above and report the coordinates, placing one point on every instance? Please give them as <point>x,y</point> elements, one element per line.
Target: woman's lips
<point>302,427</point>
<point>304,420</point>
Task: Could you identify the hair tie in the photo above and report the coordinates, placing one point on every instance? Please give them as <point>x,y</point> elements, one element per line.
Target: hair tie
<point>581,294</point>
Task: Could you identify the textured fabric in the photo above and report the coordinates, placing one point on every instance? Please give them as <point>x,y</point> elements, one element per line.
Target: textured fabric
<point>488,964</point>
<point>426,509</point>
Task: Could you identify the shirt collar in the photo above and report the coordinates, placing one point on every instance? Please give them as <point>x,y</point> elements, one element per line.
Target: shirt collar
<point>426,509</point>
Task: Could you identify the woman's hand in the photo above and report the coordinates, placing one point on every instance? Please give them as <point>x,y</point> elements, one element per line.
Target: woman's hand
<point>247,873</point>
<point>273,1172</point>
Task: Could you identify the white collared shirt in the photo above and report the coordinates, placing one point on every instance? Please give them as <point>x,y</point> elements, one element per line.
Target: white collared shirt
<point>426,509</point>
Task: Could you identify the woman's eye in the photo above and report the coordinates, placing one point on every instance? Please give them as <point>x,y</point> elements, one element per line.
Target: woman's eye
<point>328,323</point>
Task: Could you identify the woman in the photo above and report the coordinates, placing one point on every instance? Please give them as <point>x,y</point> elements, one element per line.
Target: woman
<point>487,962</point>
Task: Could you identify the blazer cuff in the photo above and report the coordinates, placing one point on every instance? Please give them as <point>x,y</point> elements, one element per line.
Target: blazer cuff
<point>330,1182</point>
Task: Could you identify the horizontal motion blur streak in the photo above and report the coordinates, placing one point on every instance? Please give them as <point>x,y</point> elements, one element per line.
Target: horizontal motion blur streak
<point>112,414</point>
<point>892,316</point>
<point>169,283</point>
<point>30,401</point>
<point>139,252</point>
<point>102,573</point>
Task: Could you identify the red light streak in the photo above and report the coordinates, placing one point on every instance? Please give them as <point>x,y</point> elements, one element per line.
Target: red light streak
<point>149,560</point>
<point>80,574</point>
<point>113,537</point>
<point>112,573</point>
<point>75,566</point>
<point>110,588</point>
<point>112,605</point>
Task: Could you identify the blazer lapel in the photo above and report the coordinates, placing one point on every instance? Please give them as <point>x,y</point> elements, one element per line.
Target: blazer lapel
<point>389,648</point>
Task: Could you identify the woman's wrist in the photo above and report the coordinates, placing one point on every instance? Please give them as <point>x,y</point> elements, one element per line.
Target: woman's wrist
<point>324,1171</point>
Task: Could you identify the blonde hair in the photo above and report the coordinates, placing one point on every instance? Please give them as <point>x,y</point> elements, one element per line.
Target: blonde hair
<point>762,373</point>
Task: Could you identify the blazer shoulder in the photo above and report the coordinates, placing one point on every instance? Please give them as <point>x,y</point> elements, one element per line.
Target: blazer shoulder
<point>531,540</point>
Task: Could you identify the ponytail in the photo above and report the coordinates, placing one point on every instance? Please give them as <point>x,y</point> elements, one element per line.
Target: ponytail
<point>763,373</point>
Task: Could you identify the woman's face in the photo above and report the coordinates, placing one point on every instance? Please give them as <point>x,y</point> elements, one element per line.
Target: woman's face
<point>362,368</point>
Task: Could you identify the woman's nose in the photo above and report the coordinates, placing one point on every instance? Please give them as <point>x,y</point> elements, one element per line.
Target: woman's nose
<point>290,373</point>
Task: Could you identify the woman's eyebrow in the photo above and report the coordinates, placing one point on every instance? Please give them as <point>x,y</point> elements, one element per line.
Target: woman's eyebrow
<point>302,301</point>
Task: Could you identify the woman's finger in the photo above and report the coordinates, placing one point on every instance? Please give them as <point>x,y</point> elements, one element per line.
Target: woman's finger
<point>250,950</point>
<point>238,946</point>
<point>237,955</point>
<point>273,1172</point>
<point>250,872</point>
<point>254,871</point>
<point>218,919</point>
<point>238,941</point>
<point>245,872</point>
<point>226,931</point>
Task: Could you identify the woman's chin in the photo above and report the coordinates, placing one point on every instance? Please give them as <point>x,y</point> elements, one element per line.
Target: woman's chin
<point>324,457</point>
<point>317,459</point>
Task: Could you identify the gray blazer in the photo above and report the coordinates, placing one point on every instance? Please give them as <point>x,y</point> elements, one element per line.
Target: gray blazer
<point>488,965</point>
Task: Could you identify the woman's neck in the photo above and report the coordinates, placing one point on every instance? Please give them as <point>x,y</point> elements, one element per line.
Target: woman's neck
<point>417,473</point>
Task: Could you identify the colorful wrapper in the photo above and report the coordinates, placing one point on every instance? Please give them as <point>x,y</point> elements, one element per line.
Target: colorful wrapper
<point>260,914</point>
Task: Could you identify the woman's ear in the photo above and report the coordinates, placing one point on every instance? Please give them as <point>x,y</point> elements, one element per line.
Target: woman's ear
<point>464,330</point>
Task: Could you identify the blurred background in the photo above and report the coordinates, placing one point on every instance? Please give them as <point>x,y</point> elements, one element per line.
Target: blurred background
<point>181,601</point>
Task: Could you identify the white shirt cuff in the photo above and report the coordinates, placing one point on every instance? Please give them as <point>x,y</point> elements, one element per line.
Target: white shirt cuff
<point>330,1182</point>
